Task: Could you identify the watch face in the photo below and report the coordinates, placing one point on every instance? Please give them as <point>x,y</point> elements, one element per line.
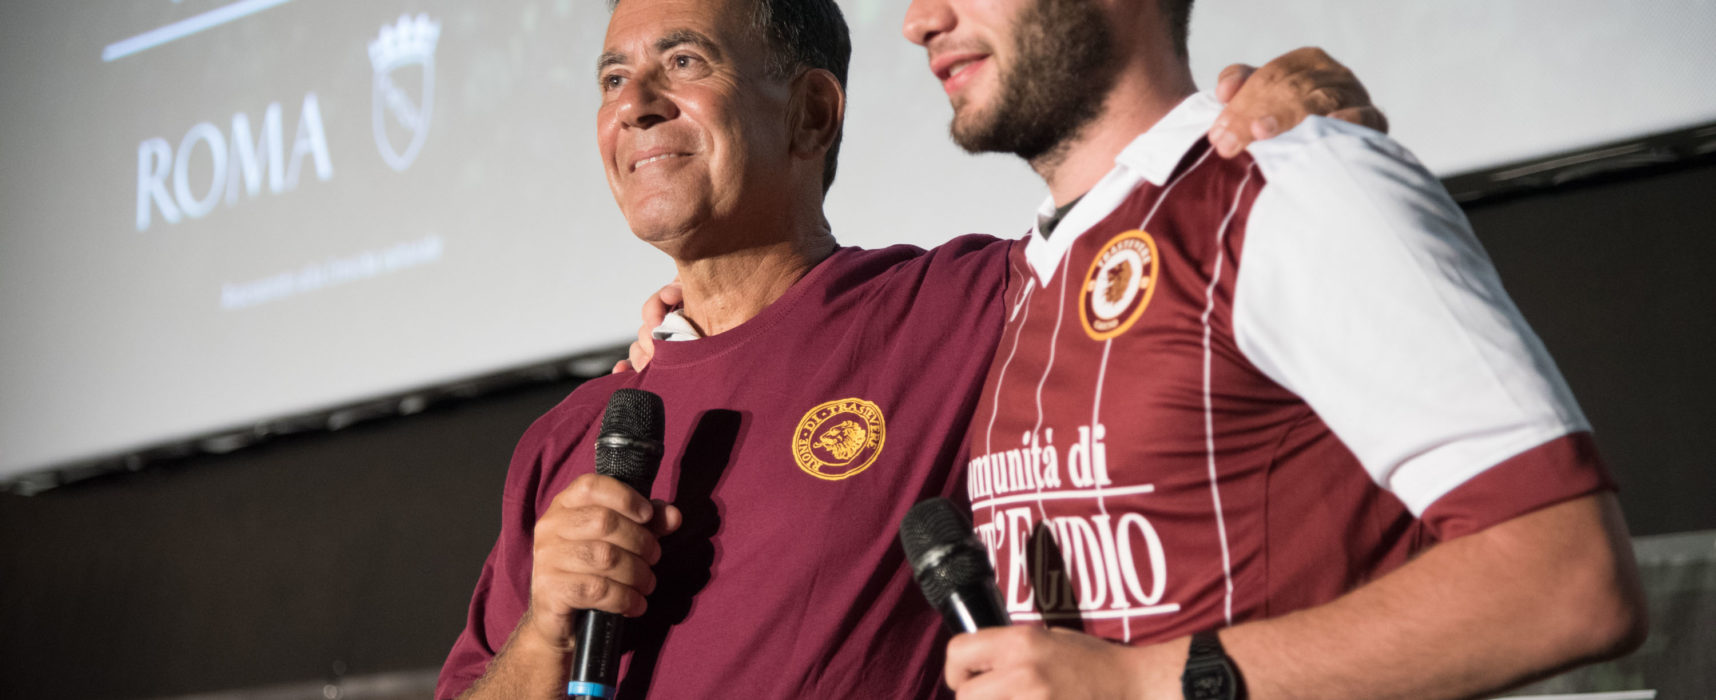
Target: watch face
<point>1213,683</point>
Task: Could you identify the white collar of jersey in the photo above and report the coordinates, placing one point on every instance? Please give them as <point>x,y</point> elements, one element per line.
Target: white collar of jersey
<point>1151,156</point>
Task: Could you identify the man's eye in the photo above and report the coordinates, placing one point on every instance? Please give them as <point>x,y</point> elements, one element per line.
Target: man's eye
<point>612,82</point>
<point>683,61</point>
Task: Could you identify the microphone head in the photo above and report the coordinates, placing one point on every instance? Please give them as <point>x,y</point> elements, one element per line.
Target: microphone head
<point>629,448</point>
<point>943,551</point>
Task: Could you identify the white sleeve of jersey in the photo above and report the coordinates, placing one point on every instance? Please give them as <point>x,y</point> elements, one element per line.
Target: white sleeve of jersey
<point>1362,289</point>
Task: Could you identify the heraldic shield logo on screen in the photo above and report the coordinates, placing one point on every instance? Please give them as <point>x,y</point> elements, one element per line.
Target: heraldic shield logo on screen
<point>403,56</point>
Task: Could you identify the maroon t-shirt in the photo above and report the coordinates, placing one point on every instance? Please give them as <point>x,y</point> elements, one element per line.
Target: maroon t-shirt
<point>795,443</point>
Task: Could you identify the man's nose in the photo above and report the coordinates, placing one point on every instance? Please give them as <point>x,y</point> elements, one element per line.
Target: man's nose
<point>925,19</point>
<point>643,103</point>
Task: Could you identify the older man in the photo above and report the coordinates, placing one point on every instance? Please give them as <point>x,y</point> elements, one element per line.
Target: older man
<point>828,391</point>
<point>1244,395</point>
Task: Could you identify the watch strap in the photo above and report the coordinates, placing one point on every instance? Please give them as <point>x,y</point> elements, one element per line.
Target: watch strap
<point>1210,674</point>
<point>1206,645</point>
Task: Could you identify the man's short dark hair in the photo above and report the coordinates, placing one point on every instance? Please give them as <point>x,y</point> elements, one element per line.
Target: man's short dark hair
<point>802,34</point>
<point>1179,16</point>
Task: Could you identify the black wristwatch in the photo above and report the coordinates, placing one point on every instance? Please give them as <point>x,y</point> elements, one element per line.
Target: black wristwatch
<point>1210,674</point>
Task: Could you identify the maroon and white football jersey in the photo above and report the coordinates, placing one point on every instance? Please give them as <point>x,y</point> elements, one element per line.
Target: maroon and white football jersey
<point>1229,389</point>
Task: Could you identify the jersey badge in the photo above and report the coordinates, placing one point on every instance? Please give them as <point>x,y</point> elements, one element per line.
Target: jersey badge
<point>838,439</point>
<point>1119,285</point>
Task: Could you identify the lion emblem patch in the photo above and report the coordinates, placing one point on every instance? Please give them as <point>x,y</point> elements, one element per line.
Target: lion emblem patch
<point>838,439</point>
<point>1119,285</point>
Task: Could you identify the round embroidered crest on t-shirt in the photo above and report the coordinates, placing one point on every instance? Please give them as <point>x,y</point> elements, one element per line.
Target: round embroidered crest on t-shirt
<point>838,439</point>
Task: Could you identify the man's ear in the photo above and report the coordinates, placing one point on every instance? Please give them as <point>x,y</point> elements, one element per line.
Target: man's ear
<point>817,111</point>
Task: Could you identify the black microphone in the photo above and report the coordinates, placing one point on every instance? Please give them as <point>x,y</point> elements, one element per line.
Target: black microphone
<point>951,566</point>
<point>628,449</point>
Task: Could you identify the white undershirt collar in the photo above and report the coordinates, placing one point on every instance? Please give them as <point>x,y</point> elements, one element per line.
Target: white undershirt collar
<point>675,327</point>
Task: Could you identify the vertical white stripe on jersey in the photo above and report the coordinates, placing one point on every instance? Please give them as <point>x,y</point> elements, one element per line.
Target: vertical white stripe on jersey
<point>1060,312</point>
<point>1095,416</point>
<point>1024,281</point>
<point>1209,403</point>
<point>1000,378</point>
<point>1102,369</point>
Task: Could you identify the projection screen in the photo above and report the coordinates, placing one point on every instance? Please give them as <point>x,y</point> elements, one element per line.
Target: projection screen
<point>214,213</point>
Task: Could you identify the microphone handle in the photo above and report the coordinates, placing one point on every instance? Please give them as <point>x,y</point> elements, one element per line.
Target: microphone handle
<point>973,607</point>
<point>596,661</point>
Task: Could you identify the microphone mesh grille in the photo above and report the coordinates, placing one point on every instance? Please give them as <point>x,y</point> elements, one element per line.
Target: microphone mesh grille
<point>943,551</point>
<point>635,415</point>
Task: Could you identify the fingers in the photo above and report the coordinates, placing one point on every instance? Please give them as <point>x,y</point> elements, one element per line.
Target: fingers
<point>664,300</point>
<point>1370,117</point>
<point>1232,77</point>
<point>1265,127</point>
<point>655,310</point>
<point>973,654</point>
<point>1228,85</point>
<point>673,295</point>
<point>1005,662</point>
<point>1034,662</point>
<point>598,524</point>
<point>621,366</point>
<point>606,492</point>
<point>567,577</point>
<point>594,546</point>
<point>667,518</point>
<point>964,660</point>
<point>564,593</point>
<point>1008,686</point>
<point>642,350</point>
<point>593,568</point>
<point>1276,97</point>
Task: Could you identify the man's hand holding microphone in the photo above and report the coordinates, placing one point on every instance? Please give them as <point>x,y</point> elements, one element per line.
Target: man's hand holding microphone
<point>591,556</point>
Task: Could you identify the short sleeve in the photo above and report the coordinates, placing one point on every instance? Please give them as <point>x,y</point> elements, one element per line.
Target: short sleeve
<point>1362,289</point>
<point>944,308</point>
<point>965,280</point>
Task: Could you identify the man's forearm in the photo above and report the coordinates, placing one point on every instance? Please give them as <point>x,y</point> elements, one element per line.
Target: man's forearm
<point>1470,617</point>
<point>527,668</point>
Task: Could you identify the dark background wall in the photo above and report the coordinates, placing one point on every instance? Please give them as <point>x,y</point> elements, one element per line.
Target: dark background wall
<point>1618,279</point>
<point>354,551</point>
<point>350,551</point>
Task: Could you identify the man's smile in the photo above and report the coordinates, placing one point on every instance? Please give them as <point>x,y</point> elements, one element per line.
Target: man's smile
<point>653,156</point>
<point>955,70</point>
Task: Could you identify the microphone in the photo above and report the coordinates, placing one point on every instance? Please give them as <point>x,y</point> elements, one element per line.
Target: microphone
<point>628,449</point>
<point>951,566</point>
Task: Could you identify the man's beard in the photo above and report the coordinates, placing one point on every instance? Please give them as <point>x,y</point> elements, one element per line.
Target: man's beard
<point>1061,73</point>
